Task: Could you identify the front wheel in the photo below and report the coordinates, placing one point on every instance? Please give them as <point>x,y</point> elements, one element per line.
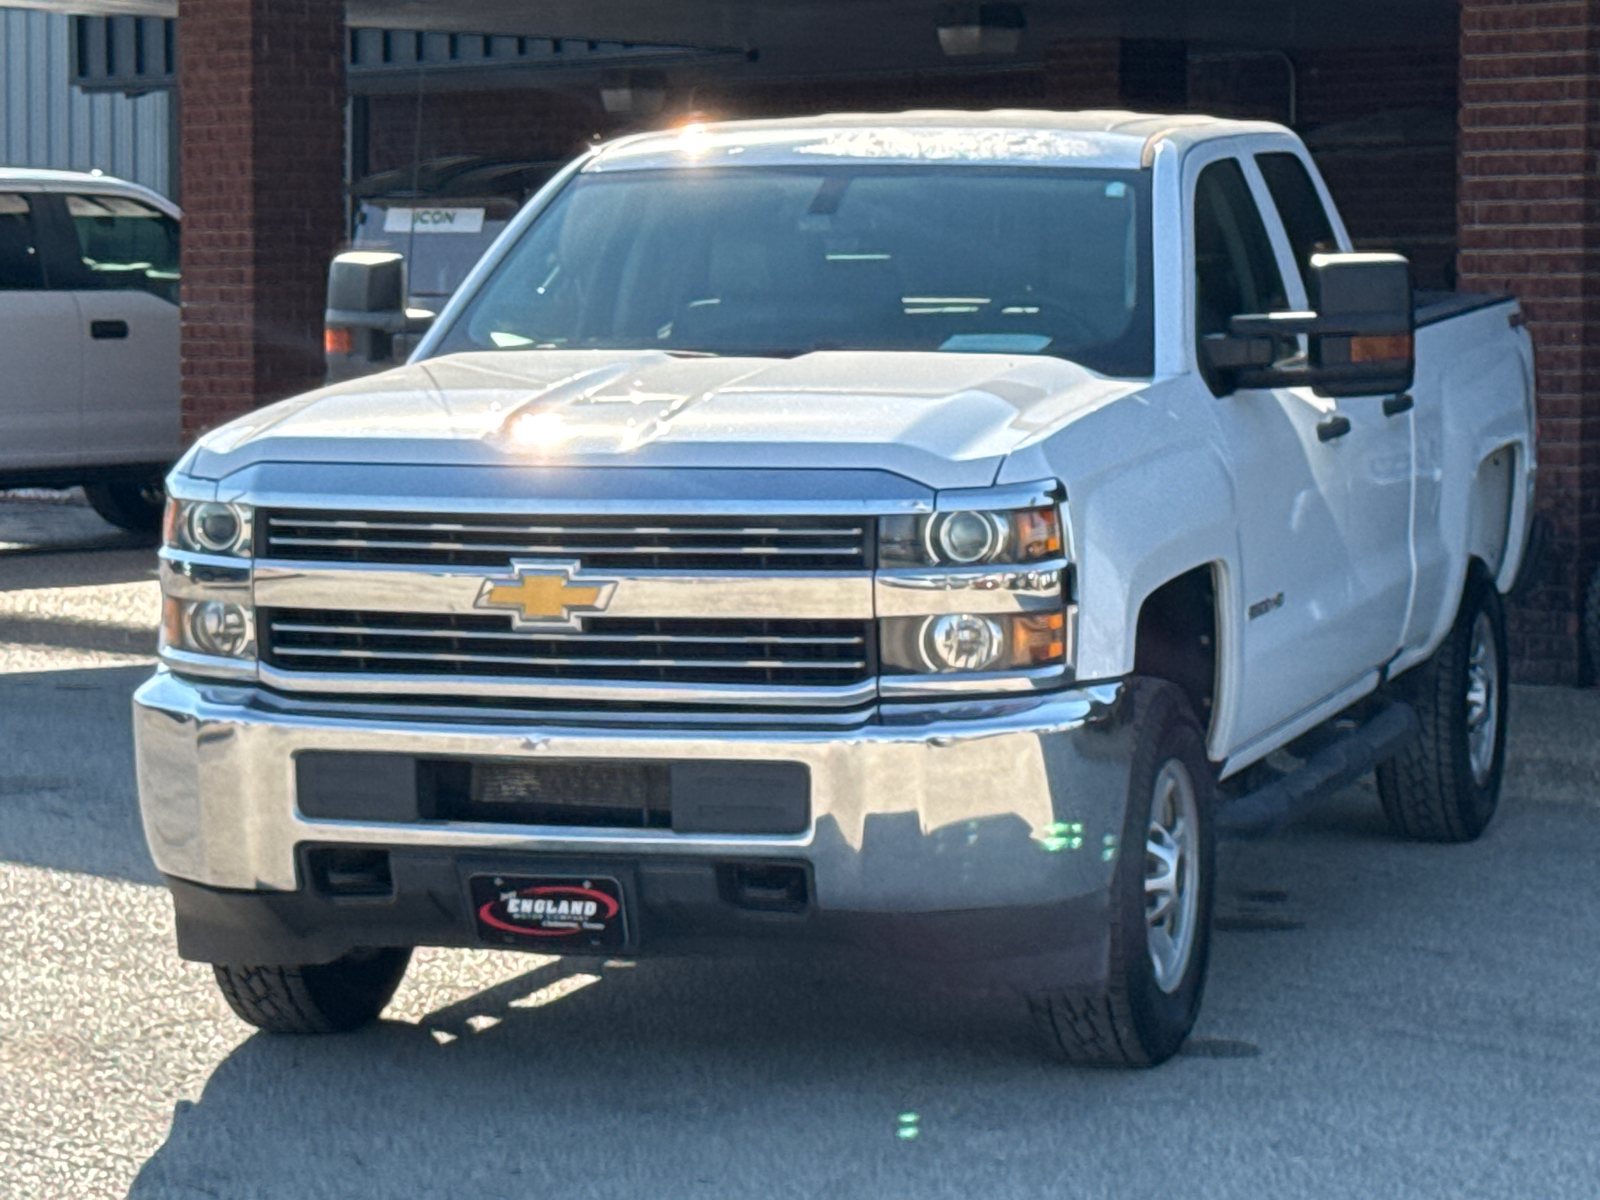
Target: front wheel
<point>135,507</point>
<point>1160,911</point>
<point>326,998</point>
<point>1445,785</point>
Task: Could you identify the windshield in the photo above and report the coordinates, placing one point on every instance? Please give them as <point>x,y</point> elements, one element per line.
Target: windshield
<point>785,260</point>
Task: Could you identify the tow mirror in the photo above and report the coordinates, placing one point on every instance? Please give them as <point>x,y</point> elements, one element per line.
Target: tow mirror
<point>366,306</point>
<point>1359,338</point>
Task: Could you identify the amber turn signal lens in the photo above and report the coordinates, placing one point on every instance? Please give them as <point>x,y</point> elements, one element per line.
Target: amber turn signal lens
<point>1038,533</point>
<point>338,341</point>
<point>171,622</point>
<point>1038,640</point>
<point>1380,349</point>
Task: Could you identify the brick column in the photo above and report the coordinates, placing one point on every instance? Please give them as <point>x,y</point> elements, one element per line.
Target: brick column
<point>261,85</point>
<point>1529,223</point>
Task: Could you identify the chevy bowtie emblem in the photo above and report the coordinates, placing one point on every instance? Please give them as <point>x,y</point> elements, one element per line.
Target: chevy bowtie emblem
<point>546,594</point>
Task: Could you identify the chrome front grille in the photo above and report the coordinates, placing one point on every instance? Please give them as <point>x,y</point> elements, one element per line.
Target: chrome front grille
<point>617,650</point>
<point>601,542</point>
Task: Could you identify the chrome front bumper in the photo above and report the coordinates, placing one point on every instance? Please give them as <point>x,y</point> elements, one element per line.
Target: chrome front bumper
<point>970,805</point>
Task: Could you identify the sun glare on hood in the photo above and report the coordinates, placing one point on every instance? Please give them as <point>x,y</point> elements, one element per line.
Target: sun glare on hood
<point>539,430</point>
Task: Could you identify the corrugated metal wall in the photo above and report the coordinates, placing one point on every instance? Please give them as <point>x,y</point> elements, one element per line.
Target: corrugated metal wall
<point>46,122</point>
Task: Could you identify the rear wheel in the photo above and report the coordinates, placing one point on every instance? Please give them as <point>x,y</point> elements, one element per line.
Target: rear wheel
<point>1444,786</point>
<point>327,998</point>
<point>1160,913</point>
<point>132,506</point>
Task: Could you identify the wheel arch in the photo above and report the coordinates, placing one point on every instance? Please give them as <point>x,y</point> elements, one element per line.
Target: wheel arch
<point>1179,637</point>
<point>1492,513</point>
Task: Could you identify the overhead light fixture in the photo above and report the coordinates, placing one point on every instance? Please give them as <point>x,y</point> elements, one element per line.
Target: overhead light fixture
<point>972,29</point>
<point>638,93</point>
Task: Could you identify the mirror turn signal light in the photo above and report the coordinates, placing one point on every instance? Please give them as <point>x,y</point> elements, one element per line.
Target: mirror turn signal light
<point>1392,348</point>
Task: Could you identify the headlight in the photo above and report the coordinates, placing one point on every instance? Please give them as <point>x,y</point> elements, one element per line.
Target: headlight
<point>208,527</point>
<point>972,642</point>
<point>970,538</point>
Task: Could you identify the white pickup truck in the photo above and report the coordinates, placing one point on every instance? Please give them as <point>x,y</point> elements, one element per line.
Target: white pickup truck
<point>88,339</point>
<point>903,533</point>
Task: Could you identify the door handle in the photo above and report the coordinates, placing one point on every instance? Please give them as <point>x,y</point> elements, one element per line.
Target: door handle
<point>1393,406</point>
<point>1334,427</point>
<point>108,329</point>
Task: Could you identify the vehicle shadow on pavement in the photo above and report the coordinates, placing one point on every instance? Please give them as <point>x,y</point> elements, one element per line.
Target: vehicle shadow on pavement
<point>129,558</point>
<point>665,1078</point>
<point>68,795</point>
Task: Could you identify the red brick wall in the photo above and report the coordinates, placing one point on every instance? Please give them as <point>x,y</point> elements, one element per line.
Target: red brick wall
<point>1394,176</point>
<point>1530,224</point>
<point>262,109</point>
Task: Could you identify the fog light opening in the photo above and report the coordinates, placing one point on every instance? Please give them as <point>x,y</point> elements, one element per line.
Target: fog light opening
<point>962,642</point>
<point>218,628</point>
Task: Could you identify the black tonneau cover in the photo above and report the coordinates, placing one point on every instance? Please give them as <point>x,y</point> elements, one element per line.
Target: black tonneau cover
<point>1430,307</point>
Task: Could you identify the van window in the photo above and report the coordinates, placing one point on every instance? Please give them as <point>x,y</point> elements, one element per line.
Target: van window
<point>1235,270</point>
<point>124,244</point>
<point>1304,219</point>
<point>20,268</point>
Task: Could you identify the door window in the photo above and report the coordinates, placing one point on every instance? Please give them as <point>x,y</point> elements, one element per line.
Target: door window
<point>1304,219</point>
<point>124,243</point>
<point>1235,270</point>
<point>20,267</point>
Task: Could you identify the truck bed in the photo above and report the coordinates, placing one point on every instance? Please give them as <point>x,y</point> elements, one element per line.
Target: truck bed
<point>1431,307</point>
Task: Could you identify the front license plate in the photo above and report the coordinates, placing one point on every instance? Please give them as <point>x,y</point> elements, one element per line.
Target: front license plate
<point>550,912</point>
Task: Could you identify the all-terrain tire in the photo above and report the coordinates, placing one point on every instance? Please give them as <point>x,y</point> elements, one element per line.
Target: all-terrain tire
<point>1434,790</point>
<point>1132,1020</point>
<point>135,507</point>
<point>328,998</point>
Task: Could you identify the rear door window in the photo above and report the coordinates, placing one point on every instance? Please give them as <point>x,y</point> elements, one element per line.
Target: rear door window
<point>1305,220</point>
<point>125,243</point>
<point>21,268</point>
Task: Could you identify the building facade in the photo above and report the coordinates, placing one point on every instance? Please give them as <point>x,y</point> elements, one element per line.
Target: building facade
<point>47,121</point>
<point>1462,133</point>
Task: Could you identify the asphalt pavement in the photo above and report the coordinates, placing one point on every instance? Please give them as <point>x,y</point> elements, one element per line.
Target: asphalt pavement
<point>1383,1019</point>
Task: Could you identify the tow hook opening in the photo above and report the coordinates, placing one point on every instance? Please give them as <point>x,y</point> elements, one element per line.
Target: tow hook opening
<point>350,872</point>
<point>765,887</point>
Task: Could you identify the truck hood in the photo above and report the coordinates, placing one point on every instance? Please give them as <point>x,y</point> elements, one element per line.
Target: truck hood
<point>945,420</point>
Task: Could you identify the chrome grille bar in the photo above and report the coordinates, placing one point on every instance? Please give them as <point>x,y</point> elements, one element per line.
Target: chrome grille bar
<point>577,638</point>
<point>570,660</point>
<point>300,543</point>
<point>789,543</point>
<point>617,530</point>
<point>795,654</point>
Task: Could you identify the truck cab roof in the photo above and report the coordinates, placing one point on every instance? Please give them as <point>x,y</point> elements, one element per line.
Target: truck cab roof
<point>1108,138</point>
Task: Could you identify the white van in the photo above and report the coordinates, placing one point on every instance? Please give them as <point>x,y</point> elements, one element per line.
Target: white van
<point>89,383</point>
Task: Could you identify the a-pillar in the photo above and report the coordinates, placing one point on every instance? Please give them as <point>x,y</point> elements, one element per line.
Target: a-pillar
<point>1530,224</point>
<point>261,88</point>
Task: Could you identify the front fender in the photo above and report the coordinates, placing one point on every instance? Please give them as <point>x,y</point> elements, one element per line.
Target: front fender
<point>1136,530</point>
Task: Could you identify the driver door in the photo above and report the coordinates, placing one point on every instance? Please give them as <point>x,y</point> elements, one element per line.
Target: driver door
<point>1295,583</point>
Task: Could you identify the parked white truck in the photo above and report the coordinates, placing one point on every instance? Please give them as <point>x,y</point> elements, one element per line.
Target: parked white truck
<point>88,339</point>
<point>907,533</point>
